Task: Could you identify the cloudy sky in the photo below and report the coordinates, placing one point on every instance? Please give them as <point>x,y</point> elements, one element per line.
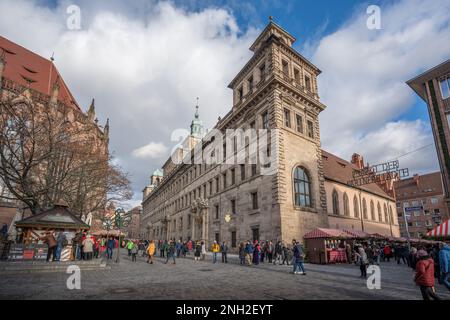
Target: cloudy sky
<point>146,61</point>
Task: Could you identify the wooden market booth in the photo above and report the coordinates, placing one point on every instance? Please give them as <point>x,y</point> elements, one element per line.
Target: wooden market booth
<point>59,218</point>
<point>326,245</point>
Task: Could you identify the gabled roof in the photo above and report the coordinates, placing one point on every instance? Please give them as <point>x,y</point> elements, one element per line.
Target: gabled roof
<point>30,69</point>
<point>320,233</point>
<point>57,217</point>
<point>340,170</point>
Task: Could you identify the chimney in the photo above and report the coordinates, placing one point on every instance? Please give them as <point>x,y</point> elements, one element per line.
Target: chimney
<point>358,161</point>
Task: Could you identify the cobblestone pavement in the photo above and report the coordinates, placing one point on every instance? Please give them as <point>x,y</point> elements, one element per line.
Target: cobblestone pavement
<point>189,279</point>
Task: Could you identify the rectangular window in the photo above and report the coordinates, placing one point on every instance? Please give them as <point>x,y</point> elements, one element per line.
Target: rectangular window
<point>233,206</point>
<point>265,120</point>
<point>233,177</point>
<point>297,75</point>
<point>252,125</point>
<point>310,130</point>
<point>210,187</point>
<point>285,66</point>
<point>224,151</point>
<point>217,237</point>
<point>240,93</point>
<point>299,120</point>
<point>250,84</point>
<point>445,88</point>
<point>254,196</point>
<point>235,145</point>
<point>253,170</point>
<point>204,191</point>
<point>437,211</point>
<point>217,184</point>
<point>434,201</point>
<point>224,177</point>
<point>262,72</point>
<point>242,172</point>
<point>287,118</point>
<point>216,207</point>
<point>233,239</point>
<point>308,83</point>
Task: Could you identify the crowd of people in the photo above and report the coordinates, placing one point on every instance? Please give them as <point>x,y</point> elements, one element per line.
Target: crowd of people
<point>429,262</point>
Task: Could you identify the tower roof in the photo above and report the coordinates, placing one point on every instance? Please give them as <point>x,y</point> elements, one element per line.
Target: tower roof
<point>158,173</point>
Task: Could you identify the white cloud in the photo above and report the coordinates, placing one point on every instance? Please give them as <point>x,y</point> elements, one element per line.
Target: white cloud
<point>364,74</point>
<point>152,150</point>
<point>145,62</point>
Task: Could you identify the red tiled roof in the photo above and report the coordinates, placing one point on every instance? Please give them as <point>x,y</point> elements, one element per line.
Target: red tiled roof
<point>420,186</point>
<point>340,170</point>
<point>357,233</point>
<point>325,233</point>
<point>28,68</point>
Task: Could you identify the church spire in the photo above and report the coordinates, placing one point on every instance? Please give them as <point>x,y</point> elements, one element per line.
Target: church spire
<point>91,112</point>
<point>196,124</point>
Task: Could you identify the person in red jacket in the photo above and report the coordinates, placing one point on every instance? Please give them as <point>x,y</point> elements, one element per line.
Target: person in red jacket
<point>425,275</point>
<point>387,252</point>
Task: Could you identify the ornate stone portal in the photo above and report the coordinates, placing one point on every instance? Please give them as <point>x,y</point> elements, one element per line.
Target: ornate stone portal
<point>199,209</point>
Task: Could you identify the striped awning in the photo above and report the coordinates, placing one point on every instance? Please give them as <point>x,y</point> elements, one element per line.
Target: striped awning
<point>442,230</point>
<point>325,233</point>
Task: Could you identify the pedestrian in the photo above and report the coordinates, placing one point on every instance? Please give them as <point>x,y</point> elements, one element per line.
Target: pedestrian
<point>198,251</point>
<point>424,277</point>
<point>224,251</point>
<point>203,250</point>
<point>110,245</point>
<point>4,231</point>
<point>348,252</point>
<point>285,254</point>
<point>241,253</point>
<point>270,249</point>
<point>256,252</point>
<point>51,242</point>
<point>130,245</point>
<point>362,261</point>
<point>249,253</point>
<point>215,248</point>
<point>88,247</point>
<point>278,253</point>
<point>178,248</point>
<point>151,251</point>
<point>61,241</point>
<point>444,263</point>
<point>387,252</point>
<point>170,252</point>
<point>413,258</point>
<point>134,251</point>
<point>298,258</point>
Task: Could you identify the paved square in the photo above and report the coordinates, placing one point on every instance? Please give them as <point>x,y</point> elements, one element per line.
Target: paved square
<point>189,279</point>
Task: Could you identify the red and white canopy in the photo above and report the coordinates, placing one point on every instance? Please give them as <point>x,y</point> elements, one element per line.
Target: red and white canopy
<point>442,230</point>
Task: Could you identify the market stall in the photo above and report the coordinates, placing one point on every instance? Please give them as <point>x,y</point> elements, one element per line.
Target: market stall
<point>32,229</point>
<point>326,245</point>
<point>442,231</point>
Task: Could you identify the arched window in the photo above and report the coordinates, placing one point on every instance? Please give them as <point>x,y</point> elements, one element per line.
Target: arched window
<point>302,188</point>
<point>380,216</point>
<point>346,205</point>
<point>335,198</point>
<point>364,209</point>
<point>386,218</point>
<point>372,210</point>
<point>391,218</point>
<point>356,207</point>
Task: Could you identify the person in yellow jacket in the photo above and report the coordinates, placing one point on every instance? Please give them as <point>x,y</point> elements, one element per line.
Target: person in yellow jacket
<point>215,250</point>
<point>151,251</point>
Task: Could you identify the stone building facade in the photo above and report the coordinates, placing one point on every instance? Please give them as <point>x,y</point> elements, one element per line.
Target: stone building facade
<point>424,191</point>
<point>279,193</point>
<point>433,86</point>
